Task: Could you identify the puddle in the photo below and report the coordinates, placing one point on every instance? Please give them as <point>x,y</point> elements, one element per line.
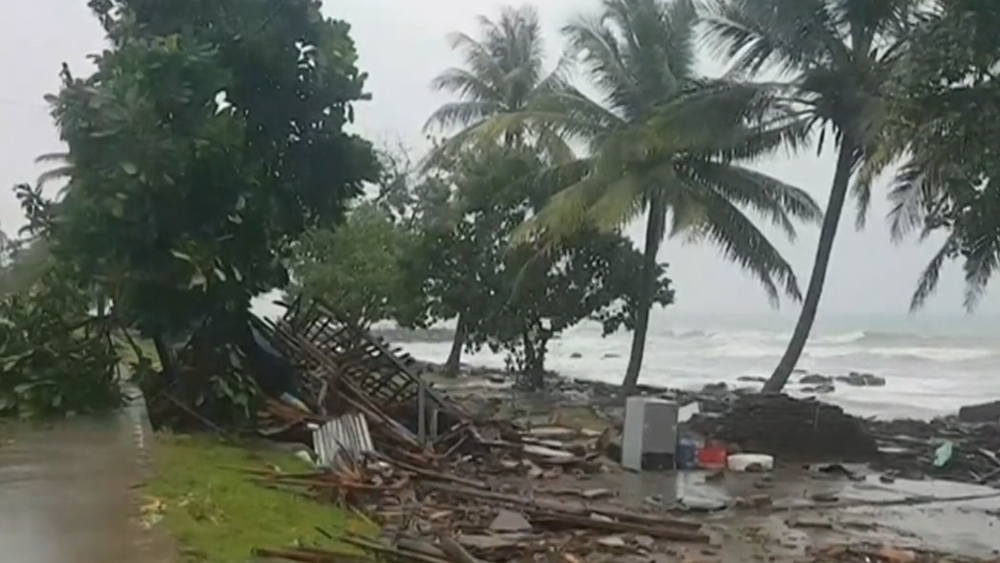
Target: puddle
<point>67,491</point>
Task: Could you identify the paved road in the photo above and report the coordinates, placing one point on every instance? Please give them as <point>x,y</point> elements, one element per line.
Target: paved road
<point>67,492</point>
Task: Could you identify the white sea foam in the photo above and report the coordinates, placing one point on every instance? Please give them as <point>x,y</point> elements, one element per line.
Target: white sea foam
<point>930,369</point>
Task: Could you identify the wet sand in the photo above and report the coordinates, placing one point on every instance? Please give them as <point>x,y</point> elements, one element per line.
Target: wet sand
<point>68,492</point>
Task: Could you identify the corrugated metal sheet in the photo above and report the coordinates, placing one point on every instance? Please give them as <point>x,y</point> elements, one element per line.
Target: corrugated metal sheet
<point>348,433</point>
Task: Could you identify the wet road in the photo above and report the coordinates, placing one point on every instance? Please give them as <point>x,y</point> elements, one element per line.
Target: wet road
<point>67,492</point>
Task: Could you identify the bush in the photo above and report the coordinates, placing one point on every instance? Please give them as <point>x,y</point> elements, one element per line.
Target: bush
<point>54,358</point>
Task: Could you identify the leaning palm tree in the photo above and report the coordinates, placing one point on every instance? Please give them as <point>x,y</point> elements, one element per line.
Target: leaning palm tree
<point>663,142</point>
<point>503,72</point>
<point>837,56</point>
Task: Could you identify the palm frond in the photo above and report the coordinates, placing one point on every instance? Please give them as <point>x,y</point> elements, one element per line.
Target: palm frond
<point>788,35</point>
<point>453,114</point>
<point>776,201</point>
<point>929,278</point>
<point>741,242</point>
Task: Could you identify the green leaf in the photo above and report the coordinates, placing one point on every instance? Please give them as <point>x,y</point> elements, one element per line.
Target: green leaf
<point>181,255</point>
<point>129,168</point>
<point>117,208</point>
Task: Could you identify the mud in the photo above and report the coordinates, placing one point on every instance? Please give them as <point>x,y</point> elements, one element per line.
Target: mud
<point>68,492</point>
<point>793,513</point>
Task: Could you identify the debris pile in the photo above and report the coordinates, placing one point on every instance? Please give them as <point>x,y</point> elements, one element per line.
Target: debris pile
<point>910,449</point>
<point>790,429</point>
<point>441,485</point>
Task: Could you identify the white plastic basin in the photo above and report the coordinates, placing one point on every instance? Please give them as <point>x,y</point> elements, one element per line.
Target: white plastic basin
<point>755,462</point>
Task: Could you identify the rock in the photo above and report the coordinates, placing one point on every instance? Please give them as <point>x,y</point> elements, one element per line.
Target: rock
<point>576,355</point>
<point>510,521</point>
<point>719,388</point>
<point>751,379</point>
<point>982,412</point>
<point>815,379</point>
<point>857,379</point>
<point>824,389</point>
<point>611,355</point>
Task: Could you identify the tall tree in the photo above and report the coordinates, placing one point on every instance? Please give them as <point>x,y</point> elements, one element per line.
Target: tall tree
<point>662,142</point>
<point>945,126</point>
<point>503,71</point>
<point>208,139</point>
<point>838,56</point>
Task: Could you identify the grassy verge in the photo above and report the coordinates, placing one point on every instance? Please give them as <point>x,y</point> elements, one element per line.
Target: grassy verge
<point>218,515</point>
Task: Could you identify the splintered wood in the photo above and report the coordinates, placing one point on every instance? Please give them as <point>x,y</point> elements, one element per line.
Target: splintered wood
<point>441,499</point>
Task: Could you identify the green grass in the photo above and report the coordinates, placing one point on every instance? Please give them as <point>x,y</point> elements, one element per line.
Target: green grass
<point>218,515</point>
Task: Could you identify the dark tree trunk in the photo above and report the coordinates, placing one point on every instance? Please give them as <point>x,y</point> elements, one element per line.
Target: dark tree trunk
<point>534,364</point>
<point>828,232</point>
<point>167,365</point>
<point>455,356</point>
<point>654,233</point>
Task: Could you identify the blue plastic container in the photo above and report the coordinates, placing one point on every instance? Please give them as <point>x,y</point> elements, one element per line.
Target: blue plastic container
<point>687,454</point>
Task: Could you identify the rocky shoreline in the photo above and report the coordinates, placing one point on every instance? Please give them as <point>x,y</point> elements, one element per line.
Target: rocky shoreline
<point>904,448</point>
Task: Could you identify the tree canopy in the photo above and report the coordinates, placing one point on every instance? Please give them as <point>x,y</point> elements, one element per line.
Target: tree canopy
<point>209,138</point>
<point>664,142</point>
<point>945,130</point>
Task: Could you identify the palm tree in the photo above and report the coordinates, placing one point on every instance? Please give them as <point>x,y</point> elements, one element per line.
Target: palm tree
<point>948,180</point>
<point>840,56</point>
<point>662,142</point>
<point>503,72</point>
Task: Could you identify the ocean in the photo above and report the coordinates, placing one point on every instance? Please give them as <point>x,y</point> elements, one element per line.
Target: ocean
<point>932,365</point>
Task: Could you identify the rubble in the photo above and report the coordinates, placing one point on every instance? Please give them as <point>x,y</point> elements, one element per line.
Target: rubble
<point>909,447</point>
<point>441,484</point>
<point>790,429</point>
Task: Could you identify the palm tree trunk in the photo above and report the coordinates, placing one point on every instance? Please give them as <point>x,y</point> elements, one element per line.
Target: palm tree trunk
<point>834,208</point>
<point>654,234</point>
<point>455,356</point>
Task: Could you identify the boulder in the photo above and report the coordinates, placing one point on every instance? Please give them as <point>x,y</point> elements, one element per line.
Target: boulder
<point>815,379</point>
<point>857,379</point>
<point>982,412</point>
<point>821,389</point>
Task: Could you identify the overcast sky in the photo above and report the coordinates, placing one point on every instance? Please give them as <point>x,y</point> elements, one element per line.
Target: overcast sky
<point>402,46</point>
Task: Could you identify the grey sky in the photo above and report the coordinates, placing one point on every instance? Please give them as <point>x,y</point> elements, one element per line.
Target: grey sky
<point>402,46</point>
